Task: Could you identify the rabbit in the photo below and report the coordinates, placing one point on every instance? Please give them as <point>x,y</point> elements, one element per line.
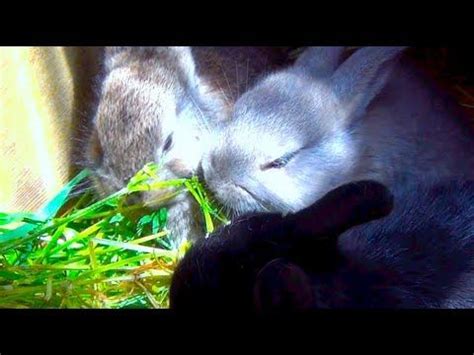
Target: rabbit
<point>329,119</point>
<point>356,247</point>
<point>159,104</point>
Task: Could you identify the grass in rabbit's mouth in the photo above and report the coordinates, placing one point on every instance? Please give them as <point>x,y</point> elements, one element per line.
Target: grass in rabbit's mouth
<point>83,253</point>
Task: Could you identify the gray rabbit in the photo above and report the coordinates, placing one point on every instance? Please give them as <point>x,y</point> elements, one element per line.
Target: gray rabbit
<point>328,120</point>
<point>160,104</point>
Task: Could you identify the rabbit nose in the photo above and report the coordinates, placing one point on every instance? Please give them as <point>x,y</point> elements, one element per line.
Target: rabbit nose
<point>135,199</point>
<point>207,164</point>
<point>180,168</point>
<point>212,160</point>
<point>200,172</point>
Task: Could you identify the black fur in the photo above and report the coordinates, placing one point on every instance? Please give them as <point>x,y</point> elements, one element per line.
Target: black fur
<point>419,256</point>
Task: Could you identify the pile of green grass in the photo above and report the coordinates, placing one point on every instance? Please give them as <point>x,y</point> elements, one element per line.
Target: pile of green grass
<point>87,253</point>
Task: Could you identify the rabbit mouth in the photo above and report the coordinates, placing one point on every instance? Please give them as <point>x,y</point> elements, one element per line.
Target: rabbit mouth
<point>262,205</point>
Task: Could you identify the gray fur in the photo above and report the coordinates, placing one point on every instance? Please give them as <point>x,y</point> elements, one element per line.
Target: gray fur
<point>372,117</point>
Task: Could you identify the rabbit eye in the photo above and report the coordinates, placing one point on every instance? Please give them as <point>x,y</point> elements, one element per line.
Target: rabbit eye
<point>168,143</point>
<point>279,163</point>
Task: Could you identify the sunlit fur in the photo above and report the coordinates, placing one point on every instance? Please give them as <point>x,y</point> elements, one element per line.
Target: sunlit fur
<point>269,121</point>
<point>371,117</point>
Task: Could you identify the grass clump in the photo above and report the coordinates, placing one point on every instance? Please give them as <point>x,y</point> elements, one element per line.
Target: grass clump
<point>87,253</point>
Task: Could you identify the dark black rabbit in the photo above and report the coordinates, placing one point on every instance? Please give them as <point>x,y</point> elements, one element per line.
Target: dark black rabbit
<point>332,255</point>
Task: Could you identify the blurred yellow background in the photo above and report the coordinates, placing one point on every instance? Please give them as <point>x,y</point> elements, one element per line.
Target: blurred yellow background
<point>36,100</point>
<point>40,88</point>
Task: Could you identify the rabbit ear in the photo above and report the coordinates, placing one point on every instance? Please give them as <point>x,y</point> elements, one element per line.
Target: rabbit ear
<point>342,208</point>
<point>361,77</point>
<point>282,287</point>
<point>181,57</point>
<point>320,62</point>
